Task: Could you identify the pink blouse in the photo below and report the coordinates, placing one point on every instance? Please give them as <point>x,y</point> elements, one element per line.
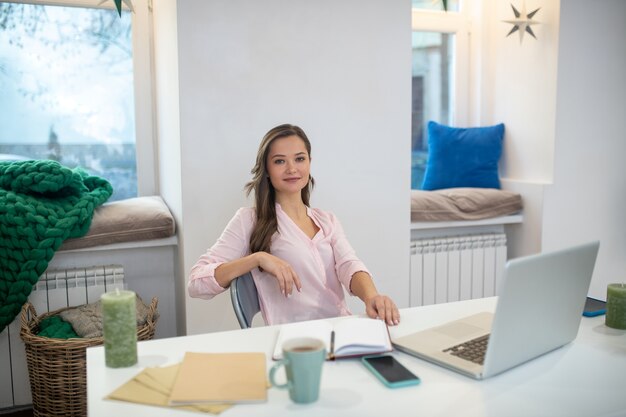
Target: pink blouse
<point>323,264</point>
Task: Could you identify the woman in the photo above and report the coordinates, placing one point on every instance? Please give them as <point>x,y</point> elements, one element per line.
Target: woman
<point>299,257</point>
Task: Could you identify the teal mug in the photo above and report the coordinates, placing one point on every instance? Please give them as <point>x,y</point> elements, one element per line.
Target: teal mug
<point>303,359</point>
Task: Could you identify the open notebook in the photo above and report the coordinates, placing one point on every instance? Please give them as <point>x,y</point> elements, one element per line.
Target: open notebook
<point>353,336</point>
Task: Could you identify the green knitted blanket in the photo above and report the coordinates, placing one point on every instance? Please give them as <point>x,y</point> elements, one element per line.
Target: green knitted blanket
<point>57,328</point>
<point>42,203</point>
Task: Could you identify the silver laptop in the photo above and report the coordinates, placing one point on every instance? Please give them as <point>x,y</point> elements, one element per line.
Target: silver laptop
<point>539,309</point>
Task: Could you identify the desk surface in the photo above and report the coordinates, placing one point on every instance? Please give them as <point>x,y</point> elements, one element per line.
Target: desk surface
<point>585,378</point>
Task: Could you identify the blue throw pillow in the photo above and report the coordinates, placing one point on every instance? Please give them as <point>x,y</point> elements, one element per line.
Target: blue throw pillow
<point>463,157</point>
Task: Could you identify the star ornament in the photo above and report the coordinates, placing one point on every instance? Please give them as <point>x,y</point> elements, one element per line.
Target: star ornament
<point>118,5</point>
<point>522,22</point>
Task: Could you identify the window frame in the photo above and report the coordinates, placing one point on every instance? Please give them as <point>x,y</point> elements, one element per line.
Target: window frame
<point>143,71</point>
<point>456,23</point>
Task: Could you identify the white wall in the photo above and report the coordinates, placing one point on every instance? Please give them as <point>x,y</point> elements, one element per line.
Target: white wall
<point>168,130</point>
<point>588,198</point>
<point>340,70</point>
<point>520,87</point>
<point>516,85</point>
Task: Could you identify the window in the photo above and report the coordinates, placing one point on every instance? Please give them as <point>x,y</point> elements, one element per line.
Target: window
<point>439,77</point>
<point>453,5</point>
<point>432,93</point>
<point>68,77</point>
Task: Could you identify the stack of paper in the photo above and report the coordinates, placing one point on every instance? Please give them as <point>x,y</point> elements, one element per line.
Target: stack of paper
<point>203,382</point>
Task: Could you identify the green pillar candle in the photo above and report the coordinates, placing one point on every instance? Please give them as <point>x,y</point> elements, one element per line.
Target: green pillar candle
<point>616,306</point>
<point>119,328</point>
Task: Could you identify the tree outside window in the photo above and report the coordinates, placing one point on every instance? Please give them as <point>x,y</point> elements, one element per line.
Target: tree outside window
<point>66,90</point>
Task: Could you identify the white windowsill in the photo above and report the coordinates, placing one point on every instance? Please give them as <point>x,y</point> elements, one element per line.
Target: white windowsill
<point>512,219</point>
<point>168,241</point>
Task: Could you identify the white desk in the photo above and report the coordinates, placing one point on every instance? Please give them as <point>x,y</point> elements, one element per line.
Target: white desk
<point>584,378</point>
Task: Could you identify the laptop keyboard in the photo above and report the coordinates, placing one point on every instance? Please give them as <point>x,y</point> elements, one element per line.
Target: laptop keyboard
<point>472,350</point>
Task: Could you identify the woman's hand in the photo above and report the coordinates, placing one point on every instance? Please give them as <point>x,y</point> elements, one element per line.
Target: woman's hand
<point>282,271</point>
<point>382,307</point>
<point>376,305</point>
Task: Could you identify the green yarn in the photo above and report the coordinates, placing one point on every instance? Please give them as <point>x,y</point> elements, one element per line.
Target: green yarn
<point>56,327</point>
<point>42,203</point>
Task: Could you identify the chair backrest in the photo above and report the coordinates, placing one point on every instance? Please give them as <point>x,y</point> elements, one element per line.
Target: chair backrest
<point>245,299</point>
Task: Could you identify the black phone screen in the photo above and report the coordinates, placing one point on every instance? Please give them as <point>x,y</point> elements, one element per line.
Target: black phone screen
<point>390,369</point>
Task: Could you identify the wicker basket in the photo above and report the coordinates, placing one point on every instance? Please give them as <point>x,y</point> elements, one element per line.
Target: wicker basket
<point>57,367</point>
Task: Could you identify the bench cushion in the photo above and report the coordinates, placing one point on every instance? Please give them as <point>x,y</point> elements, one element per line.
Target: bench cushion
<point>463,204</point>
<point>141,218</point>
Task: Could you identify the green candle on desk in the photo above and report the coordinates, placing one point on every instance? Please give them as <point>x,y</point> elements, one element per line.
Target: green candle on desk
<point>119,328</point>
<point>616,306</point>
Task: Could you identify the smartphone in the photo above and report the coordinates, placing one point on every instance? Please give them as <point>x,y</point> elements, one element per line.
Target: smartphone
<point>389,371</point>
<point>594,307</point>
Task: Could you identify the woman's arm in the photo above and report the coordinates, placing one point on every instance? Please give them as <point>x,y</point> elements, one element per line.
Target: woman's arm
<point>353,274</point>
<point>282,271</point>
<point>232,246</point>
<point>227,259</point>
<point>228,271</point>
<point>376,305</point>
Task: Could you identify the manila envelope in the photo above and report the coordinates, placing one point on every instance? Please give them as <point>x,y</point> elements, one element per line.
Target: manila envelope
<point>153,386</point>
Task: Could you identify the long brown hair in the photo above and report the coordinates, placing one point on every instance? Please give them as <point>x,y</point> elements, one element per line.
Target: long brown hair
<point>264,194</point>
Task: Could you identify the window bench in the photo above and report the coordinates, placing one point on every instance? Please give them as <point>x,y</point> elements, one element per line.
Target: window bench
<point>458,245</point>
<point>139,235</point>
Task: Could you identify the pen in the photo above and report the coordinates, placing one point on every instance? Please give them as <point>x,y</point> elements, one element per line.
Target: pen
<point>331,355</point>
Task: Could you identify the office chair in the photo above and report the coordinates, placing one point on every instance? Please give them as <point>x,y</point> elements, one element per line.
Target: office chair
<point>245,299</point>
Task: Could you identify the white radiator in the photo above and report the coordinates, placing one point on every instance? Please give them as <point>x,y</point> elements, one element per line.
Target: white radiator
<point>456,268</point>
<point>55,289</point>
